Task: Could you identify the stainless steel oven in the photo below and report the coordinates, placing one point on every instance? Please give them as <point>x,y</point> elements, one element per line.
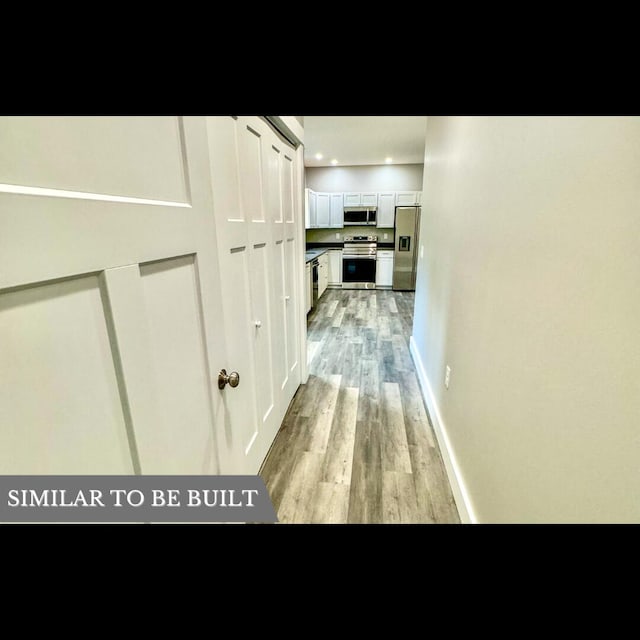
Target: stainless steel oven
<point>359,262</point>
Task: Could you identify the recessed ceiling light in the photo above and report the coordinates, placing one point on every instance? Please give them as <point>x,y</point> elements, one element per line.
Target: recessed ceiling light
<point>334,162</point>
<point>319,156</point>
<point>388,160</point>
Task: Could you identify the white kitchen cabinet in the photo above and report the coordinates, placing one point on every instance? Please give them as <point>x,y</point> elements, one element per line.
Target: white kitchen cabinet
<point>369,199</point>
<point>360,199</point>
<point>309,287</point>
<point>336,211</point>
<point>323,274</point>
<point>406,198</point>
<point>326,210</point>
<point>310,209</point>
<point>322,210</point>
<point>352,199</point>
<point>384,269</point>
<point>386,209</point>
<point>335,267</point>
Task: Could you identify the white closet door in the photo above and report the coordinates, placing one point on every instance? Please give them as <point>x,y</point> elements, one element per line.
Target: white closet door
<point>253,177</point>
<point>111,334</point>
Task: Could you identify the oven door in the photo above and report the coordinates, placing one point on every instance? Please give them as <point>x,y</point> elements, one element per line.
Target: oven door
<point>358,272</point>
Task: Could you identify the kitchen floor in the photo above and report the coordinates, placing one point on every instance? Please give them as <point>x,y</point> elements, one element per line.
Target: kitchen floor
<point>356,445</point>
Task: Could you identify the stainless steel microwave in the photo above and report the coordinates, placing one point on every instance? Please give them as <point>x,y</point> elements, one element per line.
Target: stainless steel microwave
<point>360,216</point>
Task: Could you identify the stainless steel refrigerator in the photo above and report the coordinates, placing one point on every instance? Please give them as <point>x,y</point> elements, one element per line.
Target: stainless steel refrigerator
<point>405,257</point>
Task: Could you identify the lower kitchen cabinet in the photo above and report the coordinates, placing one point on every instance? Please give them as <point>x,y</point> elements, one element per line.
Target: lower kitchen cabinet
<point>323,274</point>
<point>384,269</point>
<point>335,267</point>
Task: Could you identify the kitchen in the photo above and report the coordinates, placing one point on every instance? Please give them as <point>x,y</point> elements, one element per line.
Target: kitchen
<point>374,245</point>
<point>354,181</point>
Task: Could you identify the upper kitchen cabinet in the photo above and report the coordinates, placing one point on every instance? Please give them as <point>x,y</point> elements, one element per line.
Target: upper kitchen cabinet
<point>360,199</point>
<point>323,210</point>
<point>407,198</point>
<point>369,199</point>
<point>336,211</point>
<point>352,199</point>
<point>310,200</point>
<point>386,209</point>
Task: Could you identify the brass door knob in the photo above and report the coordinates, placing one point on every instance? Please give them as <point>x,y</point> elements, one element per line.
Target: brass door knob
<point>233,379</point>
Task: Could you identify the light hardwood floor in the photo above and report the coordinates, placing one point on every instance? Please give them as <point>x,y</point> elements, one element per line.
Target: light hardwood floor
<point>356,445</point>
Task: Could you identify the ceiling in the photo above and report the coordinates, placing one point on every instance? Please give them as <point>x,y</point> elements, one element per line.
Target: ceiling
<point>358,140</point>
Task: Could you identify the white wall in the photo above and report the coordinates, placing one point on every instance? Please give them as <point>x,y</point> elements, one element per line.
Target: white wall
<point>529,290</point>
<point>400,177</point>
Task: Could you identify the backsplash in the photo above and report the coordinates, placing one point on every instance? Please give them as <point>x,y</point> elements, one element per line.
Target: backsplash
<point>329,235</point>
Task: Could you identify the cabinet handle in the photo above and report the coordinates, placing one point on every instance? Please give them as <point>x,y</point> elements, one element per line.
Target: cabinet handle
<point>258,324</point>
<point>287,298</point>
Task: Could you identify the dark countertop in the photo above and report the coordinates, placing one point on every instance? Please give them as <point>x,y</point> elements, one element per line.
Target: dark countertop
<point>315,249</point>
<point>325,245</point>
<point>340,245</point>
<point>312,254</point>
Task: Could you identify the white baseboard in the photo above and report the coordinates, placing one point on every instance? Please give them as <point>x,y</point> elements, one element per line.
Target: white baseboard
<point>456,481</point>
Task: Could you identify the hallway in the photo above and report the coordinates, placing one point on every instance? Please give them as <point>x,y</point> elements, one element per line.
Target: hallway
<point>356,445</point>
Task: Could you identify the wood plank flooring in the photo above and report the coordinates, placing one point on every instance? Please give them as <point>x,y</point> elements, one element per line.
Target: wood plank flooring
<point>356,445</point>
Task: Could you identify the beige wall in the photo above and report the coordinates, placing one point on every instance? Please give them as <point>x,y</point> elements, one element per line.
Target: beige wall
<point>530,290</point>
<point>398,177</point>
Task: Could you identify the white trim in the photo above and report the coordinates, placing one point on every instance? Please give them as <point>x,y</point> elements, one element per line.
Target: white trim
<point>460,493</point>
<point>294,126</point>
<point>81,195</point>
<point>302,274</point>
